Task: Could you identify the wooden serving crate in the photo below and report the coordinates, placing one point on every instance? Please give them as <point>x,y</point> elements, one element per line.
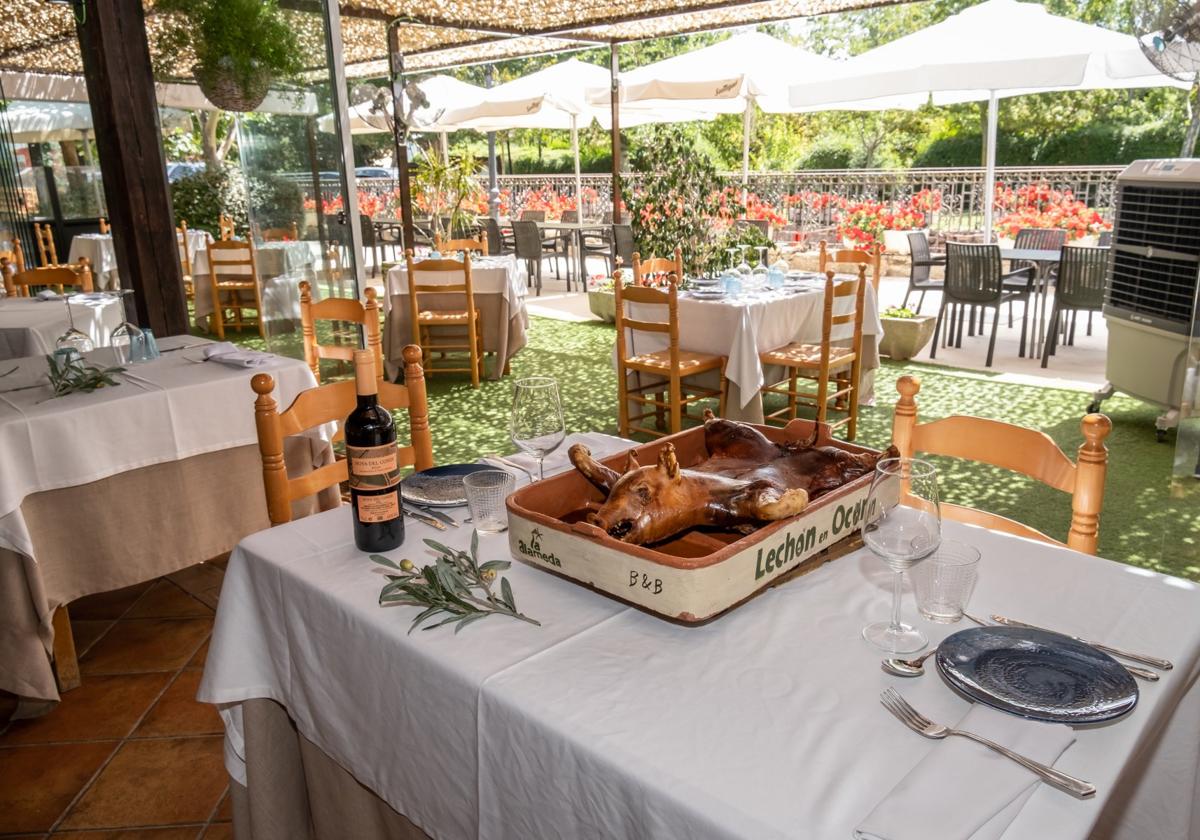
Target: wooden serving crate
<point>696,575</point>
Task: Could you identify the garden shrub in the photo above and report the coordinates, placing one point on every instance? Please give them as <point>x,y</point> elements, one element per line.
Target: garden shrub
<point>828,156</point>
<point>201,198</point>
<point>276,201</point>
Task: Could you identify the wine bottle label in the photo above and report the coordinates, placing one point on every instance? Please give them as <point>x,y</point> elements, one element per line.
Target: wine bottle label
<point>382,508</point>
<point>373,467</point>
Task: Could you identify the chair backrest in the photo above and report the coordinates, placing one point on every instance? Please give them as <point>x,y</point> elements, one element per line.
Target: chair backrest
<point>527,240</point>
<point>623,246</point>
<point>570,216</point>
<point>287,233</point>
<point>339,309</point>
<point>332,403</point>
<point>185,256</point>
<point>58,276</point>
<point>831,317</point>
<point>973,273</point>
<point>495,238</point>
<point>449,246</point>
<point>1040,239</point>
<point>655,270</point>
<point>533,215</point>
<point>1081,274</point>
<point>415,287</point>
<point>1026,451</point>
<point>11,261</point>
<point>224,227</point>
<point>872,258</point>
<point>43,236</point>
<point>232,261</point>
<point>104,226</point>
<point>918,251</point>
<point>651,296</point>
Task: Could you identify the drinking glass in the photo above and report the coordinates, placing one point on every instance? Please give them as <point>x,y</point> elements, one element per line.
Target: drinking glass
<point>943,582</point>
<point>74,339</point>
<point>760,273</point>
<point>743,267</point>
<point>126,340</point>
<point>903,525</point>
<point>732,258</point>
<point>537,420</point>
<point>486,492</point>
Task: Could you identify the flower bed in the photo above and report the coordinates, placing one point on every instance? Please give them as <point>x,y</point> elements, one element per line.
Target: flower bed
<point>1040,206</point>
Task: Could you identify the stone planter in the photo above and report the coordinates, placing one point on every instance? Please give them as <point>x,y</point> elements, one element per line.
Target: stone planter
<point>896,241</point>
<point>603,305</point>
<point>904,338</point>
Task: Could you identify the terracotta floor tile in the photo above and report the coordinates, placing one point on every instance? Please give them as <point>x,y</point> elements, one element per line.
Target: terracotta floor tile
<point>201,656</point>
<point>158,782</point>
<point>139,645</point>
<point>86,631</point>
<point>40,782</point>
<point>219,831</point>
<point>225,812</point>
<point>107,604</point>
<point>201,578</point>
<point>179,713</point>
<point>166,600</point>
<point>177,833</point>
<point>100,709</point>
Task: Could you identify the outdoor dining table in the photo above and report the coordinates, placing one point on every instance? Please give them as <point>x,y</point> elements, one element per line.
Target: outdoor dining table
<point>606,721</point>
<point>103,490</point>
<point>30,326</point>
<point>197,250</point>
<point>742,327</point>
<point>98,248</point>
<point>577,230</point>
<point>499,284</point>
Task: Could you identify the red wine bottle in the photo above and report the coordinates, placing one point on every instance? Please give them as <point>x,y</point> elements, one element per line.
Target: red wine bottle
<point>374,473</point>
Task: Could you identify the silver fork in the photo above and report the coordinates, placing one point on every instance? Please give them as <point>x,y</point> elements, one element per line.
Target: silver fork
<point>914,720</point>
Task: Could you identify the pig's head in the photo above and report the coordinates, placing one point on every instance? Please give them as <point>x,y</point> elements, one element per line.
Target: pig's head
<point>644,504</point>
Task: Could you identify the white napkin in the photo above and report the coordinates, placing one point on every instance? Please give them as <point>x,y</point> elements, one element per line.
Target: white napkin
<point>962,789</point>
<point>228,353</point>
<point>601,446</point>
<point>49,294</point>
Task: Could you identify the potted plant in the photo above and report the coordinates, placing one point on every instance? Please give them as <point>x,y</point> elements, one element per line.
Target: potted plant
<point>241,47</point>
<point>602,300</point>
<point>908,217</point>
<point>905,333</point>
<point>446,191</point>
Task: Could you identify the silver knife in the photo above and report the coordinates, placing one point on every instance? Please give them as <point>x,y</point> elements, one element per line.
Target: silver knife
<point>1154,661</point>
<point>436,514</point>
<point>428,520</point>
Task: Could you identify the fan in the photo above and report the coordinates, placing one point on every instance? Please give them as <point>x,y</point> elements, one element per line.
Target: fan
<point>378,113</point>
<point>1168,32</point>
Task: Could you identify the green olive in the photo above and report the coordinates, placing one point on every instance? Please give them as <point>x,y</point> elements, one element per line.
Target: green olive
<point>407,565</point>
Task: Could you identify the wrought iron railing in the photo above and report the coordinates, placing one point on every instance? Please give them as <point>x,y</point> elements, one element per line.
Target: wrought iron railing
<point>961,188</point>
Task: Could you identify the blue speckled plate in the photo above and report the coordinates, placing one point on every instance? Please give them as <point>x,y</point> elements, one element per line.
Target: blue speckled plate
<point>1037,675</point>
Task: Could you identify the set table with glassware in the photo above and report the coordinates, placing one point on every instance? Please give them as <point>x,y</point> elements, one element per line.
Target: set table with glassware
<point>31,326</point>
<point>357,697</point>
<point>98,248</point>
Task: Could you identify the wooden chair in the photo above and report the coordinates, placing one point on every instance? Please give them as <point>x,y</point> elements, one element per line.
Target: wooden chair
<point>1015,448</point>
<point>56,277</point>
<point>822,362</point>
<point>234,272</point>
<point>657,270</point>
<point>225,229</point>
<point>332,403</point>
<point>11,261</point>
<point>426,321</point>
<point>449,246</point>
<point>185,260</point>
<point>287,233</point>
<point>672,364</point>
<point>339,309</point>
<point>105,227</point>
<point>43,235</point>
<point>872,259</point>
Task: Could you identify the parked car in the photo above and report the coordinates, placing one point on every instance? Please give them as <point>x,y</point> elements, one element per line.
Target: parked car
<point>183,169</point>
<point>374,172</point>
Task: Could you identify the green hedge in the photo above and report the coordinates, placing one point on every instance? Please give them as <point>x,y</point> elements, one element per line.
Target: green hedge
<point>1090,145</point>
<point>829,156</point>
<point>201,198</point>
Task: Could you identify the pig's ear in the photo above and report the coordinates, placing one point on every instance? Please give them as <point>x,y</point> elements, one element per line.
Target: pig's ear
<point>592,470</point>
<point>709,416</point>
<point>631,463</point>
<point>667,461</point>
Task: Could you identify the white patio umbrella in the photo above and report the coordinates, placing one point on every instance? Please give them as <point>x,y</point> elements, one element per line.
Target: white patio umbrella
<point>997,49</point>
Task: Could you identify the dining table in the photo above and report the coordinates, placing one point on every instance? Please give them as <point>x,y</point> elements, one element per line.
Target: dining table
<point>576,231</point>
<point>121,485</point>
<point>30,326</point>
<point>603,720</point>
<point>98,248</point>
<point>742,326</point>
<point>499,285</point>
<point>281,266</point>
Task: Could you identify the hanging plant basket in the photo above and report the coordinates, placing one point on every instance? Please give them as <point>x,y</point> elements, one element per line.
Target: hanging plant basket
<point>229,93</point>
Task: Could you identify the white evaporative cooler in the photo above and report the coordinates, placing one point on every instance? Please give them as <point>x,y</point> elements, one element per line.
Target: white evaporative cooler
<point>1150,295</point>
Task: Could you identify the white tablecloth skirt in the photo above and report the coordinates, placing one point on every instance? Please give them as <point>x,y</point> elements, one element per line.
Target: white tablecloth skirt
<point>30,327</point>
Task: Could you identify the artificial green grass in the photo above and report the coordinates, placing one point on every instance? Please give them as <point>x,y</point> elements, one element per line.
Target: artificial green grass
<point>1147,520</point>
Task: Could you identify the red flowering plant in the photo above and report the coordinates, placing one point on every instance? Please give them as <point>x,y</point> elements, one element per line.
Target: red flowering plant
<point>863,222</point>
<point>1041,206</point>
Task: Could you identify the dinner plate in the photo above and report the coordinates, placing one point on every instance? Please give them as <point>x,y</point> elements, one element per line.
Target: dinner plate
<point>439,486</point>
<point>1036,674</point>
<point>709,294</point>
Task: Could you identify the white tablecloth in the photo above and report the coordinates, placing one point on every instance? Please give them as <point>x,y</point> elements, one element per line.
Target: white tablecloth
<point>503,275</point>
<point>98,248</point>
<point>608,722</point>
<point>281,267</point>
<point>29,327</point>
<point>165,410</point>
<point>197,250</point>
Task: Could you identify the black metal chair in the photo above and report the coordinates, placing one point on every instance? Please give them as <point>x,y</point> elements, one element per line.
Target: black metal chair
<point>975,278</point>
<point>528,247</point>
<point>622,246</point>
<point>1078,288</point>
<point>918,274</point>
<point>498,243</point>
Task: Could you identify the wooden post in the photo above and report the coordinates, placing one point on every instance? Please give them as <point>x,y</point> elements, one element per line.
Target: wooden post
<point>414,381</point>
<point>614,67</point>
<point>309,331</point>
<point>905,417</point>
<point>270,446</point>
<point>120,84</point>
<point>66,663</point>
<point>1090,472</point>
<point>396,77</point>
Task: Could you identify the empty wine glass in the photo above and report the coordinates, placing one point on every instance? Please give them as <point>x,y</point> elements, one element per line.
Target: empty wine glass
<point>903,525</point>
<point>126,341</point>
<point>743,267</point>
<point>760,272</point>
<point>537,420</point>
<point>732,258</point>
<point>74,339</point>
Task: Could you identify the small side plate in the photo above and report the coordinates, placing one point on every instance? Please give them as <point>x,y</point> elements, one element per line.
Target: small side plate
<point>439,486</point>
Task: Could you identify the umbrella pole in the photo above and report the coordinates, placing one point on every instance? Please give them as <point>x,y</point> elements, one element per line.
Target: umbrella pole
<point>614,68</point>
<point>493,180</point>
<point>578,178</point>
<point>445,147</point>
<point>747,119</point>
<point>989,173</point>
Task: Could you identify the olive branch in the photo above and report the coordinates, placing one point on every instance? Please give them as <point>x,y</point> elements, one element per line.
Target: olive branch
<point>455,584</point>
<point>76,375</point>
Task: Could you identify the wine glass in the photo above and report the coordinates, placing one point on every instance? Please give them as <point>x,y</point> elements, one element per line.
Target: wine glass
<point>760,272</point>
<point>903,525</point>
<point>732,258</point>
<point>743,267</point>
<point>537,419</point>
<point>73,339</point>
